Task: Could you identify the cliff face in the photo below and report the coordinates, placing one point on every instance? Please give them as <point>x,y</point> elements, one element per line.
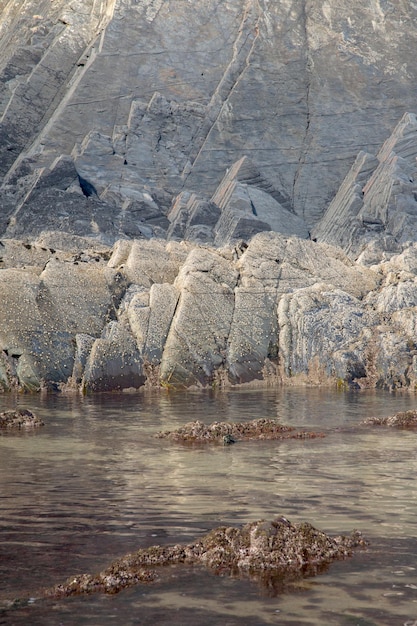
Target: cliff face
<point>164,169</point>
<point>152,98</point>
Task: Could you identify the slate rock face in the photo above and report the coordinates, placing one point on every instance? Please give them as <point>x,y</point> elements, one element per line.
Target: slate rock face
<point>149,101</point>
<point>206,198</point>
<point>377,202</point>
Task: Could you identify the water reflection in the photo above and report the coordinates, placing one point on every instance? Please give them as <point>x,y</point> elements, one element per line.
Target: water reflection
<point>94,483</point>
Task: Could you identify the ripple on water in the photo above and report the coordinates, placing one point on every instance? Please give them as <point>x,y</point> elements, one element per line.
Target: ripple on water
<point>94,484</point>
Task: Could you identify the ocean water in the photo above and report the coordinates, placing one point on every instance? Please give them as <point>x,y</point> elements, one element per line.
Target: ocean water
<point>95,483</point>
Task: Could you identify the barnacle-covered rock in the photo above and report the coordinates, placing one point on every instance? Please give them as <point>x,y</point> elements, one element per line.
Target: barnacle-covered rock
<point>403,419</point>
<point>20,418</point>
<point>261,550</point>
<point>198,432</point>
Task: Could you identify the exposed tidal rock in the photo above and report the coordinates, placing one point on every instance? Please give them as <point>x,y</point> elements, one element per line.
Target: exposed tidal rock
<point>262,550</point>
<point>19,419</point>
<point>138,119</point>
<point>230,432</point>
<point>404,419</point>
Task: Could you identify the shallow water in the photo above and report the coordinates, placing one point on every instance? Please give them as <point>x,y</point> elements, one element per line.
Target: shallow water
<point>94,483</point>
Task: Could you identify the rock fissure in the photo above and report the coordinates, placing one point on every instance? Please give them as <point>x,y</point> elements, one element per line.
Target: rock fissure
<point>242,50</point>
<point>309,65</point>
<point>219,276</point>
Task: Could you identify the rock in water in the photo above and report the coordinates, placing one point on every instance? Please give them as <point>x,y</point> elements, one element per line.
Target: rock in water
<point>19,419</point>
<point>262,550</point>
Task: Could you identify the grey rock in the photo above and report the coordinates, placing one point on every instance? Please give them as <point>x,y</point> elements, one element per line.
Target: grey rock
<point>156,203</point>
<point>114,362</point>
<point>197,340</point>
<point>148,262</point>
<point>41,314</point>
<point>298,88</point>
<point>377,200</point>
<point>163,300</point>
<point>318,328</point>
<point>83,346</point>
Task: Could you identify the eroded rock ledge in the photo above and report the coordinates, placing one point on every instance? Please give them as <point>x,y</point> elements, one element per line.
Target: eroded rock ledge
<point>262,550</point>
<point>77,315</point>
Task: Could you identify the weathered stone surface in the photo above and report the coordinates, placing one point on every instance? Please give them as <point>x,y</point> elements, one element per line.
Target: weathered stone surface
<point>377,199</point>
<point>271,311</point>
<point>15,253</point>
<point>319,327</point>
<point>163,300</point>
<point>150,104</point>
<point>148,262</point>
<point>20,418</point>
<point>40,315</point>
<point>197,339</point>
<point>261,550</point>
<point>37,348</point>
<point>114,362</point>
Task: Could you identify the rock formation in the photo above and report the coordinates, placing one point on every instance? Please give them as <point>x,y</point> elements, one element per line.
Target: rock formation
<point>403,419</point>
<point>231,432</point>
<point>207,199</point>
<point>147,102</point>
<point>267,551</point>
<point>20,419</point>
<point>273,310</point>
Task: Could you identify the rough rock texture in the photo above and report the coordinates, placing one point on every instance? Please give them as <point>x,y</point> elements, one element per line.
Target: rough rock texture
<point>19,419</point>
<point>230,432</point>
<point>206,198</point>
<point>377,202</point>
<point>262,550</point>
<point>142,104</point>
<point>404,419</point>
<point>150,312</point>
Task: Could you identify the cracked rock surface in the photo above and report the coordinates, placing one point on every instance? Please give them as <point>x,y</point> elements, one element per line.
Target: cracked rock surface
<point>208,198</point>
<point>147,102</point>
<point>267,551</point>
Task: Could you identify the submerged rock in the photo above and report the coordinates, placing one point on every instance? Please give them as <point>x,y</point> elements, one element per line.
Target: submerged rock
<point>403,419</point>
<point>262,550</point>
<point>229,432</point>
<point>20,418</point>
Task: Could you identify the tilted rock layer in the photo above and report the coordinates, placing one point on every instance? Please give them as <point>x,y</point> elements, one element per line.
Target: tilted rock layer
<point>205,197</point>
<point>176,314</point>
<point>152,102</point>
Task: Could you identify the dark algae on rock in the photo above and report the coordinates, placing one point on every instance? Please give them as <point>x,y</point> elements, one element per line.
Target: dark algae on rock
<point>261,550</point>
<point>19,419</point>
<point>230,432</point>
<point>403,419</point>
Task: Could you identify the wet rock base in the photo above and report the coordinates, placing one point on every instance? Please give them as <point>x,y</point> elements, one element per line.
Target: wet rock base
<point>403,419</point>
<point>19,419</point>
<point>230,432</point>
<point>261,550</point>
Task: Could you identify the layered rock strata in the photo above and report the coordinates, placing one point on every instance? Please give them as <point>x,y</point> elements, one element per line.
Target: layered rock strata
<point>149,101</point>
<point>169,205</point>
<point>374,212</point>
<point>148,312</point>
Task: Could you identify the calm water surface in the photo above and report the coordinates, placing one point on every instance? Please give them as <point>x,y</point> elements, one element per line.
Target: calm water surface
<point>94,483</point>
